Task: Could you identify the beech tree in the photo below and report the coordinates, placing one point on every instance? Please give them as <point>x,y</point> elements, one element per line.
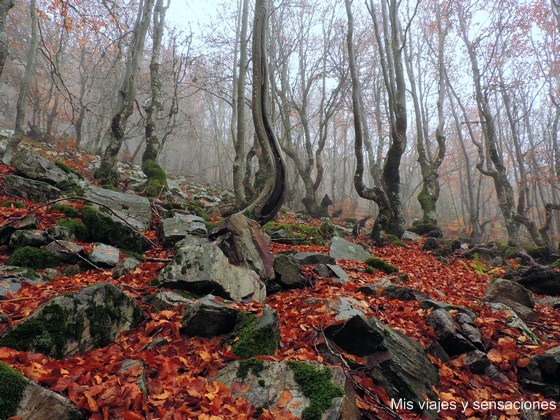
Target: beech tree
<point>5,6</point>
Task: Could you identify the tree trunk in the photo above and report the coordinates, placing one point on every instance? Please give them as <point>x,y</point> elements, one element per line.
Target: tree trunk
<point>5,6</point>
<point>19,130</point>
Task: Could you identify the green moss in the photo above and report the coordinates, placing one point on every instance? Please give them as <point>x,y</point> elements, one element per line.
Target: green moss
<point>396,241</point>
<point>252,340</point>
<point>536,252</point>
<point>67,210</point>
<point>76,227</point>
<point>422,228</point>
<point>71,270</point>
<point>556,264</point>
<point>299,233</point>
<point>133,254</point>
<point>316,385</point>
<point>67,169</point>
<point>28,256</point>
<point>11,203</point>
<point>379,264</point>
<point>157,179</point>
<point>249,365</point>
<point>12,385</point>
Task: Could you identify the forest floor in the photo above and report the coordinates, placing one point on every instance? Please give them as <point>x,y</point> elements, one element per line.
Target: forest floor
<point>177,372</point>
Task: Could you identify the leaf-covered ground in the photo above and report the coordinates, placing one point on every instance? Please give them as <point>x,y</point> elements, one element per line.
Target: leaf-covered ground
<point>177,368</point>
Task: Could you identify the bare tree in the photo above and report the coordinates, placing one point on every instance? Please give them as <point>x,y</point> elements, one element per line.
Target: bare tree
<point>5,6</point>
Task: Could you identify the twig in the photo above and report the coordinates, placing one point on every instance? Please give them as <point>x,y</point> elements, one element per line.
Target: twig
<point>74,252</point>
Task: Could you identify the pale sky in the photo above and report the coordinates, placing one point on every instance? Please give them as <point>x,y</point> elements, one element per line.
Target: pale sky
<point>191,13</point>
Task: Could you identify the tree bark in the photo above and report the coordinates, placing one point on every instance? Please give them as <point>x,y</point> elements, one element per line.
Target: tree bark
<point>5,6</point>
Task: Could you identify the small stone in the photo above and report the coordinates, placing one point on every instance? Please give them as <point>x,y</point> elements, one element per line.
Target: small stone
<point>104,255</point>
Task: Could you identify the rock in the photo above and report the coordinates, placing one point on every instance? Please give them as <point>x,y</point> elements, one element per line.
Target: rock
<point>431,244</point>
<point>12,277</point>
<point>9,227</point>
<point>202,268</point>
<point>428,303</point>
<point>513,295</point>
<point>36,191</point>
<point>273,385</point>
<point>24,399</point>
<point>60,232</point>
<point>541,280</point>
<point>33,165</point>
<point>134,209</point>
<point>333,272</point>
<point>65,251</point>
<point>515,321</point>
<point>470,331</point>
<point>256,336</point>
<point>125,266</point>
<point>75,322</point>
<point>375,288</point>
<point>448,334</point>
<point>404,293</point>
<point>542,375</point>
<point>245,243</point>
<point>208,318</point>
<point>310,258</point>
<point>138,369</point>
<point>553,301</point>
<point>341,249</point>
<point>288,272</point>
<point>176,228</point>
<point>410,236</point>
<point>167,299</point>
<point>477,361</point>
<point>394,361</point>
<point>104,255</point>
<point>34,238</point>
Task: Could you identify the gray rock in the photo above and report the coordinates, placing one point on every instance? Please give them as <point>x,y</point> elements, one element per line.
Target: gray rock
<point>470,331</point>
<point>333,272</point>
<point>410,236</point>
<point>125,266</point>
<point>515,321</point>
<point>176,228</point>
<point>35,238</point>
<point>134,209</point>
<point>167,299</point>
<point>341,249</point>
<point>60,232</point>
<point>265,389</point>
<point>513,295</point>
<point>428,303</point>
<point>375,288</point>
<point>33,165</point>
<point>104,255</point>
<point>245,243</point>
<point>202,268</point>
<point>431,244</point>
<point>395,361</point>
<point>542,375</point>
<point>404,293</point>
<point>310,258</point>
<point>12,277</point>
<point>554,301</point>
<point>541,280</point>
<point>208,318</point>
<point>129,365</point>
<point>37,191</point>
<point>288,272</point>
<point>10,226</point>
<point>36,402</point>
<point>75,322</point>
<point>477,361</point>
<point>65,251</point>
<point>448,333</point>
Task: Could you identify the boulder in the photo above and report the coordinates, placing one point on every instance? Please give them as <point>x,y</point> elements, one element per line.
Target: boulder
<point>202,268</point>
<point>428,303</point>
<point>9,227</point>
<point>65,251</point>
<point>542,375</point>
<point>245,243</point>
<point>125,266</point>
<point>12,277</point>
<point>430,244</point>
<point>341,249</point>
<point>332,272</point>
<point>513,295</point>
<point>208,318</point>
<point>410,236</point>
<point>292,389</point>
<point>375,288</point>
<point>515,321</point>
<point>176,228</point>
<point>33,165</point>
<point>395,361</point>
<point>448,333</point>
<point>477,361</point>
<point>37,191</point>
<point>311,258</point>
<point>540,279</point>
<point>104,255</point>
<point>23,399</point>
<point>75,322</point>
<point>60,232</point>
<point>288,272</point>
<point>134,209</point>
<point>34,238</point>
<point>167,299</point>
<point>404,293</point>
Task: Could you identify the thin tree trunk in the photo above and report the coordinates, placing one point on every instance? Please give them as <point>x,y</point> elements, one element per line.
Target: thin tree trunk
<point>5,6</point>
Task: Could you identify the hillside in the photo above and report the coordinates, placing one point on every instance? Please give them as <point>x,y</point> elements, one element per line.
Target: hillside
<point>342,302</point>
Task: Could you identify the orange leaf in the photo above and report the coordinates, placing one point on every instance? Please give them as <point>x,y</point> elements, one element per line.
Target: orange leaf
<point>285,397</point>
<point>523,362</point>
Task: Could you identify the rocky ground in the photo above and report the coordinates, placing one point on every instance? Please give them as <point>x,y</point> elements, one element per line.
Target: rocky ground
<point>112,306</point>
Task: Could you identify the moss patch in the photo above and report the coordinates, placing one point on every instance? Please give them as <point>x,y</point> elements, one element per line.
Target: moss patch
<point>249,365</point>
<point>252,340</point>
<point>379,264</point>
<point>76,227</point>
<point>11,203</point>
<point>65,209</point>
<point>316,385</point>
<point>396,241</point>
<point>28,256</point>
<point>12,385</point>
<point>157,180</point>
<point>67,169</point>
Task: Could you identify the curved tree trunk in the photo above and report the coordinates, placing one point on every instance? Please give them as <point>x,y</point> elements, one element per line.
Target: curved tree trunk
<point>270,199</point>
<point>5,6</point>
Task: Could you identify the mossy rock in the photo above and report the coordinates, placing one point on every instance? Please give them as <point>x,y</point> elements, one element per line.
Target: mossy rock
<point>317,385</point>
<point>28,256</point>
<point>12,385</point>
<point>67,169</point>
<point>249,365</point>
<point>76,227</point>
<point>12,203</point>
<point>379,264</point>
<point>422,228</point>
<point>396,241</point>
<point>65,209</point>
<point>537,252</point>
<point>157,179</point>
<point>256,336</point>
